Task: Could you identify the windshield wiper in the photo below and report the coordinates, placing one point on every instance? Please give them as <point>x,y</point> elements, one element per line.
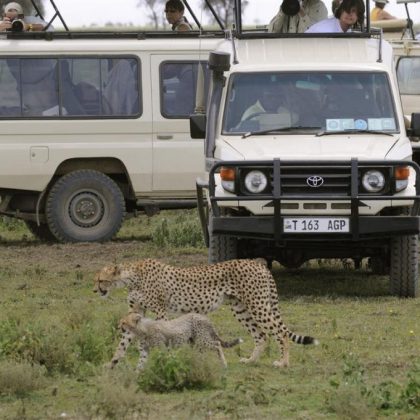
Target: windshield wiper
<point>278,130</point>
<point>351,131</point>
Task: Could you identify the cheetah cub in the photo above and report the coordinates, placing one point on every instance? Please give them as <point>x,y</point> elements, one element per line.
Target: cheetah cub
<point>191,328</point>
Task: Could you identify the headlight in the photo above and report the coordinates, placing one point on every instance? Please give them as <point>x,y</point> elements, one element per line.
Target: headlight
<point>255,182</point>
<point>373,181</point>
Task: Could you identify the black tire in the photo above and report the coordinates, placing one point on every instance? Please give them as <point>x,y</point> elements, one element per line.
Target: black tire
<point>85,206</point>
<point>41,232</point>
<point>221,247</point>
<point>404,266</point>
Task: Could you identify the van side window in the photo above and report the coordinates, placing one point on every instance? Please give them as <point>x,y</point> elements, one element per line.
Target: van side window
<point>82,87</point>
<point>178,81</point>
<point>408,75</point>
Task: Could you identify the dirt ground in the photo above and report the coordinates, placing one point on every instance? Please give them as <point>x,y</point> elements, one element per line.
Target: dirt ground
<point>88,256</point>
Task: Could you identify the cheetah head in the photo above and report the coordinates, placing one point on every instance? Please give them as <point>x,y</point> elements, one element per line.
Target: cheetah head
<point>130,321</point>
<point>107,279</point>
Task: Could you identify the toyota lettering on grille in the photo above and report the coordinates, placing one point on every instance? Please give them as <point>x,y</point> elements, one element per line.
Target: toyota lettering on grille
<point>315,181</point>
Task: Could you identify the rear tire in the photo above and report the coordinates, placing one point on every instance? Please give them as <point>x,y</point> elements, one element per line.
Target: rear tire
<point>404,266</point>
<point>85,206</point>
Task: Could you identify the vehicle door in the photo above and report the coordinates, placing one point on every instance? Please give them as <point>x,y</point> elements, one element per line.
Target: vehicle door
<point>177,158</point>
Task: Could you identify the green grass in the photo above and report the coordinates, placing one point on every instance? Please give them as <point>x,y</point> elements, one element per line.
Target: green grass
<point>56,336</point>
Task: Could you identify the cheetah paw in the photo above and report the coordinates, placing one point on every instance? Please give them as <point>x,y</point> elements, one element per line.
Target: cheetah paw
<point>280,363</point>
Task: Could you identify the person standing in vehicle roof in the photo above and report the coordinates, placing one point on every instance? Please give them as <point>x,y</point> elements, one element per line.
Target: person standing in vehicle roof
<point>296,16</point>
<point>174,11</point>
<point>378,12</point>
<point>348,15</point>
<point>14,12</point>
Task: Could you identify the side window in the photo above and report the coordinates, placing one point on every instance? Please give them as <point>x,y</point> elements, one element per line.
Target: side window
<point>408,74</point>
<point>178,81</point>
<point>69,87</point>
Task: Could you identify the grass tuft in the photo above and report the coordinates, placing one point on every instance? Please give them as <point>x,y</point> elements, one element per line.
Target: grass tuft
<point>179,369</point>
<point>19,379</point>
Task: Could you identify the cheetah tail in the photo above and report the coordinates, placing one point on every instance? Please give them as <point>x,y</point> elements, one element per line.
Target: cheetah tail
<point>302,339</point>
<point>227,344</point>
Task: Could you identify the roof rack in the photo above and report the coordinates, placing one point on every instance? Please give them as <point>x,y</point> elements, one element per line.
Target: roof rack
<point>68,34</point>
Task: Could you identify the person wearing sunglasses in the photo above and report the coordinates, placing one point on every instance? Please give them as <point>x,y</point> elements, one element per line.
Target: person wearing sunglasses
<point>174,11</point>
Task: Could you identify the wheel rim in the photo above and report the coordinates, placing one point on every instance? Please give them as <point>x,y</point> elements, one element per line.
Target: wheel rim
<point>86,208</point>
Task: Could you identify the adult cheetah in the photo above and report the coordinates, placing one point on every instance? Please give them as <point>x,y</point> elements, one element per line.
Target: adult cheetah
<point>248,285</point>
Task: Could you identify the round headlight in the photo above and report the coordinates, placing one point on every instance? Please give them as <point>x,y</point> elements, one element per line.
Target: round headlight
<point>373,181</point>
<point>255,182</point>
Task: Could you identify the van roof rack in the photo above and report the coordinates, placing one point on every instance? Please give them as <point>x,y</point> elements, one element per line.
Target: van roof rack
<point>67,33</point>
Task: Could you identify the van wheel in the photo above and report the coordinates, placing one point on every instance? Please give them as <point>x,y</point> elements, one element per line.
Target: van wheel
<point>221,247</point>
<point>41,232</point>
<point>404,266</point>
<point>85,206</point>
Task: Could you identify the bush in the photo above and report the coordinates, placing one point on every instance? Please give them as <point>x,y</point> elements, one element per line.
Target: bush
<point>183,231</point>
<point>20,379</point>
<point>183,368</point>
<point>118,397</point>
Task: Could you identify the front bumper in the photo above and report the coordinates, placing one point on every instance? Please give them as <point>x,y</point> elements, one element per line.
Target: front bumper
<point>270,227</point>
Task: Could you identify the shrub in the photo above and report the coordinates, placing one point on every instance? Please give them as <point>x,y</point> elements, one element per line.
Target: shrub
<point>118,397</point>
<point>176,370</point>
<point>20,379</point>
<point>183,231</point>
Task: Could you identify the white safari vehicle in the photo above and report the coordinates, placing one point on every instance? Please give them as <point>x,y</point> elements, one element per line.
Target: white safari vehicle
<point>307,155</point>
<point>95,126</point>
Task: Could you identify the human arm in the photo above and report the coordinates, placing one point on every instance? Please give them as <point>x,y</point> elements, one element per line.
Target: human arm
<point>311,11</point>
<point>36,24</point>
<point>276,24</point>
<point>384,15</point>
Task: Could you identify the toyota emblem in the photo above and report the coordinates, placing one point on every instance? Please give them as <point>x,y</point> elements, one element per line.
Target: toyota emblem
<point>315,181</point>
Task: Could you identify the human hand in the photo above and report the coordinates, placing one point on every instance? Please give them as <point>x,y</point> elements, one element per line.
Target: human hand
<point>5,24</point>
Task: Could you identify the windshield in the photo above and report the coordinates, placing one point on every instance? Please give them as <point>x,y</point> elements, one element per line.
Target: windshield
<point>309,102</point>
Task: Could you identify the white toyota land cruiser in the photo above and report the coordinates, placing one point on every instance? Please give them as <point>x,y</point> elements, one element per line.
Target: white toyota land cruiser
<point>307,155</point>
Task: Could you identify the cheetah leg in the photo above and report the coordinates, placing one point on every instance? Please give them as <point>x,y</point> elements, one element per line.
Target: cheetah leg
<point>247,320</point>
<point>126,339</point>
<point>280,332</point>
<point>143,356</point>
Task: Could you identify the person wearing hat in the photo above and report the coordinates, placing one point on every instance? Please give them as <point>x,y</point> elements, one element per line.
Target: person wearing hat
<point>378,12</point>
<point>348,15</point>
<point>14,11</point>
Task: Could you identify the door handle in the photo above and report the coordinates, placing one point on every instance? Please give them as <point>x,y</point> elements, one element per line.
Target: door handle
<point>165,136</point>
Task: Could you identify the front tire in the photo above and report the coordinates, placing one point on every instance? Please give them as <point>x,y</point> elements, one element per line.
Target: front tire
<point>85,206</point>
<point>404,266</point>
<point>221,247</point>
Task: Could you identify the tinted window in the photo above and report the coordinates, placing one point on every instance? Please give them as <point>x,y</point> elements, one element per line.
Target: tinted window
<point>408,73</point>
<point>309,100</point>
<point>178,88</point>
<point>69,87</point>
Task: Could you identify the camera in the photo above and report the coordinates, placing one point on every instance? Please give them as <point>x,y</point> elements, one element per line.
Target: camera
<point>18,25</point>
<point>290,7</point>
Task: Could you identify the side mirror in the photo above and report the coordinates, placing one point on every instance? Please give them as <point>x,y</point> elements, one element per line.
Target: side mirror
<point>219,61</point>
<point>415,124</point>
<point>198,126</point>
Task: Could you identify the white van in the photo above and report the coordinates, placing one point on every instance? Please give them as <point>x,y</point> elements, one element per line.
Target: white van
<point>307,155</point>
<point>93,129</point>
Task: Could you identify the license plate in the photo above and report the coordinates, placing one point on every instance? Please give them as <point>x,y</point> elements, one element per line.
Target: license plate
<point>316,225</point>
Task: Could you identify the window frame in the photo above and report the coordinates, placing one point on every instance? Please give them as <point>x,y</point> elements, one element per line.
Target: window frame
<point>59,57</point>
